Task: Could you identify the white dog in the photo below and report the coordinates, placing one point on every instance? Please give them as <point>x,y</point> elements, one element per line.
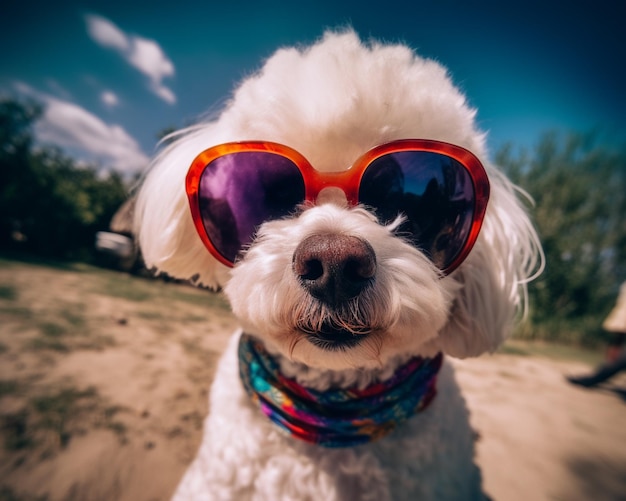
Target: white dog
<point>336,201</point>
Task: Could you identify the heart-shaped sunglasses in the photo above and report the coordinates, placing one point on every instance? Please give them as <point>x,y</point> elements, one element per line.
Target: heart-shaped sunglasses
<point>441,189</point>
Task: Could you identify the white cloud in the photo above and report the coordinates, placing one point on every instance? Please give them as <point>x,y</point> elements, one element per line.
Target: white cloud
<point>164,93</point>
<point>105,33</point>
<point>109,98</point>
<point>83,134</point>
<point>147,57</point>
<point>141,53</point>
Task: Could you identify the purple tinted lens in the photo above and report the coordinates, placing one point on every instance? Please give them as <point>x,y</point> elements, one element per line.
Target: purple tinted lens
<point>433,191</point>
<point>239,191</point>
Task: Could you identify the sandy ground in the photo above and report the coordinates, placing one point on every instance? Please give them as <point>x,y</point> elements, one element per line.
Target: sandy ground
<point>540,437</point>
<point>113,410</point>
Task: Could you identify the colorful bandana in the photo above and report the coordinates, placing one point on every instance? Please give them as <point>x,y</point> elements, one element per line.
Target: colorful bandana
<point>337,417</point>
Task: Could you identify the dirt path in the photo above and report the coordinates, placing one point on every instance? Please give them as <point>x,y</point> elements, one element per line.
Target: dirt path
<point>542,438</point>
<point>103,382</point>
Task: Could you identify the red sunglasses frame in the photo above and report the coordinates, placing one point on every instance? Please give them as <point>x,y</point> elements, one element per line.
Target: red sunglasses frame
<point>347,180</point>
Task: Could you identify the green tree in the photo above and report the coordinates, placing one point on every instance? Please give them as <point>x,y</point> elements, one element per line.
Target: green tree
<point>48,204</point>
<point>579,188</point>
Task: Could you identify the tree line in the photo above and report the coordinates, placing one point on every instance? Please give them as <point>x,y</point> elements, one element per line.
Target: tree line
<point>51,206</point>
<point>578,186</point>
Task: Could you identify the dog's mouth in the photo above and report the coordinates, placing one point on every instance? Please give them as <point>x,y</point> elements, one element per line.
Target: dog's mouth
<point>332,338</point>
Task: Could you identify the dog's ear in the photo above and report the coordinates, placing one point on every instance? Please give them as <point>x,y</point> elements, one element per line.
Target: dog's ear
<point>163,225</point>
<point>492,280</point>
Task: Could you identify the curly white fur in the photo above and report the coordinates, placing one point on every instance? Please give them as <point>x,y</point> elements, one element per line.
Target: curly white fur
<point>332,102</point>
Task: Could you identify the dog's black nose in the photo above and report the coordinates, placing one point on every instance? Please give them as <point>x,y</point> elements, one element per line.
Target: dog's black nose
<point>334,268</point>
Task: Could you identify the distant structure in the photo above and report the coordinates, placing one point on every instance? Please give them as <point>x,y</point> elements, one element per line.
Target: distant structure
<point>119,244</point>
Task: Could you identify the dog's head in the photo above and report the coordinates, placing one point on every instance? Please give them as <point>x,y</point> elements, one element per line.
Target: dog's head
<point>340,280</point>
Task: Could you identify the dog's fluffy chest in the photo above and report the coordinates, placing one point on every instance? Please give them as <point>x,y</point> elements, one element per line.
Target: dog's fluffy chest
<point>245,456</point>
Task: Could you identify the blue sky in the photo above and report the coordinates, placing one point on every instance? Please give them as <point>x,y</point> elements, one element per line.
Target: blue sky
<point>112,75</point>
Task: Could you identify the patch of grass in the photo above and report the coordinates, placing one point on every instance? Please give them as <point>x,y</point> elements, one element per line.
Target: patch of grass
<point>553,351</point>
<point>63,323</point>
<point>74,316</point>
<point>119,429</point>
<point>8,292</point>
<point>514,349</point>
<point>194,419</point>
<point>139,289</point>
<point>585,331</point>
<point>8,494</point>
<point>507,375</point>
<point>65,345</point>
<point>54,415</point>
<point>150,314</point>
<point>52,329</point>
<point>199,297</point>
<point>195,318</point>
<point>134,295</point>
<point>8,387</point>
<point>112,410</point>
<point>15,430</point>
<point>97,343</point>
<point>192,347</point>
<point>20,312</point>
<point>10,259</point>
<point>65,331</point>
<point>125,287</point>
<point>43,343</point>
<point>58,409</point>
<point>85,268</point>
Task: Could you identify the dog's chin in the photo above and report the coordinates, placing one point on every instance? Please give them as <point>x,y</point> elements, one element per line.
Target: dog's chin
<point>330,338</point>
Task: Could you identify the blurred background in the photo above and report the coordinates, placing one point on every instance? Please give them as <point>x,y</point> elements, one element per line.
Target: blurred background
<point>88,88</point>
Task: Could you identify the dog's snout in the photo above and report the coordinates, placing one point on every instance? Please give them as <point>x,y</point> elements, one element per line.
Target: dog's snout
<point>334,268</point>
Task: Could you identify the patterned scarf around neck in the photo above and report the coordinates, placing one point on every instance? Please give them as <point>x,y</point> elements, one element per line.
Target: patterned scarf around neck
<point>336,417</point>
